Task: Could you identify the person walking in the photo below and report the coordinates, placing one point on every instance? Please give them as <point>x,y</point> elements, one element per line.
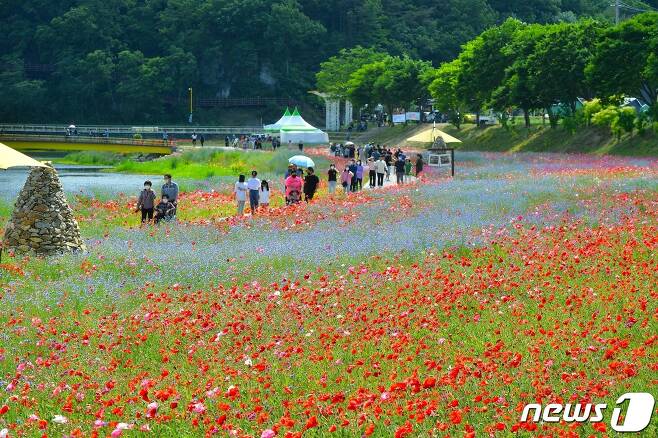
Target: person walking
<point>264,195</point>
<point>399,170</point>
<point>226,141</point>
<point>359,175</point>
<point>346,179</point>
<point>332,177</point>
<point>352,167</point>
<point>380,167</point>
<point>165,137</point>
<point>253,184</point>
<point>407,169</point>
<point>301,146</point>
<point>311,183</point>
<point>194,137</point>
<point>240,191</point>
<point>146,201</point>
<point>202,139</point>
<point>419,165</point>
<point>388,158</point>
<point>372,173</point>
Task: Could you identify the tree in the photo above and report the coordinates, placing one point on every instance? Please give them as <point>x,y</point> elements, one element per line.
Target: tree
<point>556,67</point>
<point>361,86</point>
<point>443,89</point>
<point>483,63</point>
<point>335,72</point>
<point>401,82</point>
<point>624,60</point>
<point>517,87</point>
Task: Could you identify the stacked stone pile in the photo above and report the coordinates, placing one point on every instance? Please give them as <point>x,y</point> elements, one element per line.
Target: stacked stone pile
<point>42,221</point>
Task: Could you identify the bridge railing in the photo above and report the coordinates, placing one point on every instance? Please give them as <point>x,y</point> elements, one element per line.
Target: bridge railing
<point>85,140</point>
<point>123,129</point>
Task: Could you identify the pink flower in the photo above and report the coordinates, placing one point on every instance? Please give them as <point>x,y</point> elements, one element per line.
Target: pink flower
<point>199,408</point>
<point>268,433</point>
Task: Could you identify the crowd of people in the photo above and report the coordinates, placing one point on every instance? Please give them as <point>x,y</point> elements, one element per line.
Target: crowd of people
<point>376,164</point>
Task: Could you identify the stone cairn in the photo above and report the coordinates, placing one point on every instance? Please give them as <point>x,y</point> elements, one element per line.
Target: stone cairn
<point>42,221</point>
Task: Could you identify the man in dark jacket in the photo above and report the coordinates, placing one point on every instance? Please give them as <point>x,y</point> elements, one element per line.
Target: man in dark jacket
<point>311,183</point>
<point>399,171</point>
<point>419,165</point>
<point>353,168</point>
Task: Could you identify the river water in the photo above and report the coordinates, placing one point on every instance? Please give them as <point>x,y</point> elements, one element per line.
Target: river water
<point>85,180</point>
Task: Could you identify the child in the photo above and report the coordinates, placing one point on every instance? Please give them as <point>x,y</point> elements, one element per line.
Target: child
<point>164,210</point>
<point>264,200</point>
<point>240,194</point>
<point>407,169</point>
<point>146,201</point>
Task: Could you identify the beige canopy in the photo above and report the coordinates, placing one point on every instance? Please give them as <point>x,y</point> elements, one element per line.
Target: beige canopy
<point>12,158</point>
<point>430,134</point>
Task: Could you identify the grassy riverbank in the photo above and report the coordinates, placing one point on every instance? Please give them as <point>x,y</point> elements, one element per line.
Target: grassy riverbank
<point>592,140</point>
<point>195,164</point>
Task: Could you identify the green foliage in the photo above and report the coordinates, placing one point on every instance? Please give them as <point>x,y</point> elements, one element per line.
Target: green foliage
<point>558,60</point>
<point>483,63</point>
<point>619,120</point>
<point>625,59</point>
<point>518,85</point>
<point>574,121</point>
<point>443,89</point>
<point>202,164</point>
<point>393,81</point>
<point>93,158</point>
<point>590,108</point>
<point>132,61</point>
<point>625,121</point>
<point>335,72</point>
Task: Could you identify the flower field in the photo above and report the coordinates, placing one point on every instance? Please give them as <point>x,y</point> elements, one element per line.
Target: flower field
<point>439,308</point>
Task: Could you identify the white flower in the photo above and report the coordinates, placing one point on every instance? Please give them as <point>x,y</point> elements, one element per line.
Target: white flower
<point>60,419</point>
<point>4,433</point>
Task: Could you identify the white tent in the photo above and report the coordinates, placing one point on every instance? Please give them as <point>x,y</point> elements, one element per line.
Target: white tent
<point>306,137</point>
<point>276,126</point>
<point>294,129</point>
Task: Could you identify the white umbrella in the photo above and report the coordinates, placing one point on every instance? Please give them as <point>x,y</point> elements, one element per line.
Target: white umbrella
<point>348,143</point>
<point>301,161</point>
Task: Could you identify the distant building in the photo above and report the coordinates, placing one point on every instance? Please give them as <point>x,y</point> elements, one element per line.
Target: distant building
<point>636,104</point>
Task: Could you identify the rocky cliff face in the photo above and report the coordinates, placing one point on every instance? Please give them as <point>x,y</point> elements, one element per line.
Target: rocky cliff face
<point>42,221</point>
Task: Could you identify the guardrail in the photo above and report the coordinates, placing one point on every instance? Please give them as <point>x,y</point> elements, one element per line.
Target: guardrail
<point>86,140</point>
<point>100,130</point>
<point>122,129</point>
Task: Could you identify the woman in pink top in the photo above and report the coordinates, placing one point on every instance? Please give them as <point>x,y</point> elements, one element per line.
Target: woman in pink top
<point>293,188</point>
<point>346,179</point>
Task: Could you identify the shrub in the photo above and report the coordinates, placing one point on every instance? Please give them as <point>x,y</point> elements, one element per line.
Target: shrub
<point>137,136</point>
<point>641,123</point>
<point>590,108</point>
<point>625,121</point>
<point>573,122</point>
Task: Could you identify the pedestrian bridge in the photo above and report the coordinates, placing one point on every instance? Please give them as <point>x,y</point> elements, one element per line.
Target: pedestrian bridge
<point>84,143</point>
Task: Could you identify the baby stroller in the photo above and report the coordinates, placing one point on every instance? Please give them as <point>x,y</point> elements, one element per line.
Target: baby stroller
<point>294,198</point>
